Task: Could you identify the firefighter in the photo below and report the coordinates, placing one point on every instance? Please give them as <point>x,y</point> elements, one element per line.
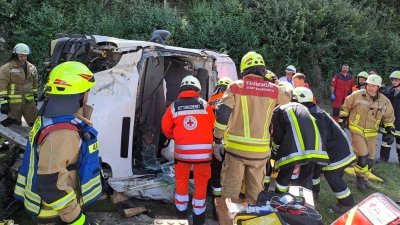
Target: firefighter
<point>243,116</point>
<point>295,141</point>
<point>392,95</point>
<point>341,85</point>
<point>61,167</point>
<point>339,151</point>
<point>361,79</point>
<point>190,120</point>
<point>18,86</point>
<point>365,109</point>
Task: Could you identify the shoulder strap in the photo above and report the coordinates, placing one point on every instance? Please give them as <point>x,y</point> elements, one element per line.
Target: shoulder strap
<point>58,126</point>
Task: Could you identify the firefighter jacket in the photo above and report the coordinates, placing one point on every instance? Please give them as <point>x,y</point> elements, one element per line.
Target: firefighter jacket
<point>89,168</point>
<point>215,99</point>
<point>365,113</point>
<point>296,137</point>
<point>343,85</point>
<point>334,138</point>
<point>395,100</point>
<point>244,115</point>
<point>189,121</point>
<point>15,84</point>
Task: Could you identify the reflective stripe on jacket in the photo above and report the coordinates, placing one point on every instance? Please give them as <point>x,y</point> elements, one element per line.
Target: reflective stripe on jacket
<point>296,137</point>
<point>245,113</point>
<point>89,167</point>
<point>365,114</point>
<point>335,140</point>
<point>189,121</point>
<point>15,84</point>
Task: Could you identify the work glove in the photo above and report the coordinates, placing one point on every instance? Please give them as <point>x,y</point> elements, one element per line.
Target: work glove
<point>389,136</point>
<point>342,122</point>
<point>333,97</point>
<point>5,105</point>
<point>83,219</point>
<point>218,148</point>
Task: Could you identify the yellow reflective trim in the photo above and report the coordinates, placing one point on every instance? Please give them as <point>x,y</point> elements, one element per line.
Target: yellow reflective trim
<point>19,191</point>
<point>34,90</point>
<point>344,195</point>
<point>12,89</point>
<point>316,131</point>
<point>59,204</point>
<point>388,125</point>
<point>357,119</point>
<point>377,124</point>
<point>88,185</point>
<point>327,168</point>
<point>15,100</point>
<point>220,126</point>
<point>343,113</point>
<point>47,213</point>
<point>15,96</point>
<point>29,98</point>
<point>247,148</point>
<point>3,92</point>
<point>93,147</point>
<point>92,194</point>
<point>21,179</point>
<point>301,157</point>
<point>297,128</point>
<point>267,121</point>
<point>275,146</point>
<point>4,102</point>
<point>246,139</point>
<point>245,112</point>
<point>31,207</point>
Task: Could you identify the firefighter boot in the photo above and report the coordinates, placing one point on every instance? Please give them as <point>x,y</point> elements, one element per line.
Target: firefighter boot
<point>361,183</point>
<point>182,215</point>
<point>339,208</point>
<point>199,219</point>
<point>367,184</point>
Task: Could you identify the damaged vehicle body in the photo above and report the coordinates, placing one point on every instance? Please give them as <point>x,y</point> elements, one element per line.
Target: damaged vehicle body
<point>136,82</point>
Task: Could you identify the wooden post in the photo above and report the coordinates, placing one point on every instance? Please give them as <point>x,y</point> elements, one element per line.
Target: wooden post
<point>134,211</point>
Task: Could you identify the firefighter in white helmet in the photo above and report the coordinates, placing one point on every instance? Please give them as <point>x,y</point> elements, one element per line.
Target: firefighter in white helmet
<point>18,86</point>
<point>338,148</point>
<point>392,95</point>
<point>365,109</point>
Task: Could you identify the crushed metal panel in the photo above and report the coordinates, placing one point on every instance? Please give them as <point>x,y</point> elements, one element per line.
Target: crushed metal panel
<point>113,99</point>
<point>125,44</point>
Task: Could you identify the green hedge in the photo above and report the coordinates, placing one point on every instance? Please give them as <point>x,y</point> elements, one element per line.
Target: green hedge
<point>317,37</point>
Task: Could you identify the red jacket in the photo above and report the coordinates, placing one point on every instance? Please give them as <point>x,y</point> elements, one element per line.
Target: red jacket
<point>190,121</point>
<point>343,85</point>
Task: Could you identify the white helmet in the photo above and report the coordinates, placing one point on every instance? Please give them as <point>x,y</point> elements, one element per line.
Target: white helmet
<point>291,68</point>
<point>375,80</point>
<point>286,86</point>
<point>22,49</point>
<point>303,94</point>
<point>191,80</point>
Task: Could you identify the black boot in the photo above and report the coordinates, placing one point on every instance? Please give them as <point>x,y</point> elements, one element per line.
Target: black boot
<point>361,183</point>
<point>199,219</point>
<point>367,184</point>
<point>340,208</point>
<point>182,215</point>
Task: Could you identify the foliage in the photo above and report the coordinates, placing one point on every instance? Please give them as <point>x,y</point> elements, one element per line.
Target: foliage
<point>317,37</point>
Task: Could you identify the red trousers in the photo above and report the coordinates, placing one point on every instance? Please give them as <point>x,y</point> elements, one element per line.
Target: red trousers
<point>201,175</point>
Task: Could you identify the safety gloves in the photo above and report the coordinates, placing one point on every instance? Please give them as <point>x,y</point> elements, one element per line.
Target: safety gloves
<point>5,105</point>
<point>342,122</point>
<point>218,148</point>
<point>83,219</point>
<point>389,136</point>
<point>333,97</point>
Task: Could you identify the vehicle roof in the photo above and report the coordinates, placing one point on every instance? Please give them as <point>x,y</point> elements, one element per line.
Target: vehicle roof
<point>124,45</point>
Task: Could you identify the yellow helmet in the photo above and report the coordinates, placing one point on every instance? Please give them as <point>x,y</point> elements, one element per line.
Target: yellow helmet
<point>69,78</point>
<point>270,75</point>
<point>303,94</point>
<point>21,49</point>
<point>251,59</point>
<point>375,80</point>
<point>363,74</point>
<point>224,81</point>
<point>395,75</point>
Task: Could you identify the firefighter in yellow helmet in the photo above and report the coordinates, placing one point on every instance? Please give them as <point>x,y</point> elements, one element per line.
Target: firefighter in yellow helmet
<point>365,109</point>
<point>245,124</point>
<point>361,81</point>
<point>61,168</point>
<point>18,86</point>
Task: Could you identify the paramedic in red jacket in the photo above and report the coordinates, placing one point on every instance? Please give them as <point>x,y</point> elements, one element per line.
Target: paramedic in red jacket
<point>190,121</point>
<point>340,87</point>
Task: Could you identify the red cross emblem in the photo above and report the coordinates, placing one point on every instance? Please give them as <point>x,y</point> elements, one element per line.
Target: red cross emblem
<point>190,123</point>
